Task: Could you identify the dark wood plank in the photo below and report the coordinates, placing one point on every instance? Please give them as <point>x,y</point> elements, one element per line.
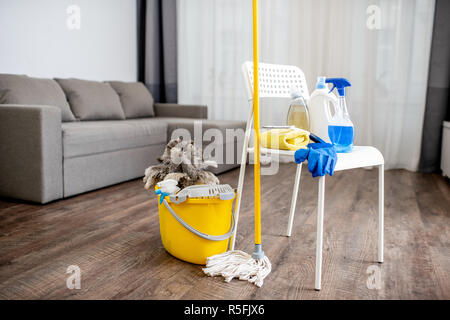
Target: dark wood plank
<point>113,235</point>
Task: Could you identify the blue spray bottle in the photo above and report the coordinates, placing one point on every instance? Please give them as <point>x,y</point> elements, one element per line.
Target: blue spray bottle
<point>340,128</point>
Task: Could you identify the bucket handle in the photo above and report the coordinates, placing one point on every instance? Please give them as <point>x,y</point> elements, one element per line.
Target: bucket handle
<point>198,233</point>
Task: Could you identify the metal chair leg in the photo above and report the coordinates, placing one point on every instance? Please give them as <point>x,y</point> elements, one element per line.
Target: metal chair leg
<point>241,176</point>
<point>294,199</point>
<point>380,212</point>
<point>320,211</point>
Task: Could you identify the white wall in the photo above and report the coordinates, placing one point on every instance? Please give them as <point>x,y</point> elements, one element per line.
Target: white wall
<point>35,39</point>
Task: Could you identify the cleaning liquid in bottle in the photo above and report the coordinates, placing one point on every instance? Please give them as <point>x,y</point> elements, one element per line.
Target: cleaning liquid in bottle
<point>340,128</point>
<point>298,115</point>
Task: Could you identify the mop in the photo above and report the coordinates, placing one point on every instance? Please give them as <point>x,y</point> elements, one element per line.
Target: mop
<point>238,264</point>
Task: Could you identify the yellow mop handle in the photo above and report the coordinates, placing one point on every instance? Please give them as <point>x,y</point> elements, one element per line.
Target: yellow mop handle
<point>256,126</point>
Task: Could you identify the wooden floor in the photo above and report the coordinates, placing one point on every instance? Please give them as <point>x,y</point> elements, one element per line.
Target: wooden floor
<point>113,236</point>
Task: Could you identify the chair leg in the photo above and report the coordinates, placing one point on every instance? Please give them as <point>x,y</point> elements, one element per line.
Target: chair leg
<point>294,199</point>
<point>320,211</point>
<point>241,176</point>
<point>380,212</point>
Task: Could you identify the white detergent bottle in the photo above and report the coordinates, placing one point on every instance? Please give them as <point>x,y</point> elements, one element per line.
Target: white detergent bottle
<point>319,109</point>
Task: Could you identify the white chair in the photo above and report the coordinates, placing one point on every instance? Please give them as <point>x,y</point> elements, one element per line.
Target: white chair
<point>276,82</point>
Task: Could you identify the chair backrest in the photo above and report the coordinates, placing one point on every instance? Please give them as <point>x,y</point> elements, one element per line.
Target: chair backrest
<point>275,81</point>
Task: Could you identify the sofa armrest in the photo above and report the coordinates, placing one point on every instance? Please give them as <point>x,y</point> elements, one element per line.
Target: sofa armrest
<point>181,111</point>
<point>31,153</point>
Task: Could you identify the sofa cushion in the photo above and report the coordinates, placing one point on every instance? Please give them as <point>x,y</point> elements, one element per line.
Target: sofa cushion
<point>92,137</point>
<point>137,102</point>
<point>92,100</point>
<point>21,89</point>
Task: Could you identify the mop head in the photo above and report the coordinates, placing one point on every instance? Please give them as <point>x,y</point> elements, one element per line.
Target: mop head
<point>238,264</point>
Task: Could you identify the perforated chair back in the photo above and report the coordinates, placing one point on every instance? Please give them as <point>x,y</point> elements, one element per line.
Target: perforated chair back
<point>275,81</point>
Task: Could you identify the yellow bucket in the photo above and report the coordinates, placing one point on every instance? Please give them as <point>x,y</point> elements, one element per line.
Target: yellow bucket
<point>196,228</point>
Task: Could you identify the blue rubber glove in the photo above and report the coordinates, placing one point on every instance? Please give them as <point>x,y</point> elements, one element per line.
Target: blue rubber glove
<point>321,157</point>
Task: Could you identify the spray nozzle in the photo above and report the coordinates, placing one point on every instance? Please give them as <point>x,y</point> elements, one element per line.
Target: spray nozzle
<point>340,84</point>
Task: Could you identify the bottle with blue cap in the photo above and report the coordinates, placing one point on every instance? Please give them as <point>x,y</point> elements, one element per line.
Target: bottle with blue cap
<point>321,103</point>
<point>340,128</point>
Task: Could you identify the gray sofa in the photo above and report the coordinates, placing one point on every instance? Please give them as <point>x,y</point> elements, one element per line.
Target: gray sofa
<point>48,154</point>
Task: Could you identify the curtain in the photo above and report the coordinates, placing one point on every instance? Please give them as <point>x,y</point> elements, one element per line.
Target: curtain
<point>382,47</point>
<point>438,93</point>
<point>157,52</point>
